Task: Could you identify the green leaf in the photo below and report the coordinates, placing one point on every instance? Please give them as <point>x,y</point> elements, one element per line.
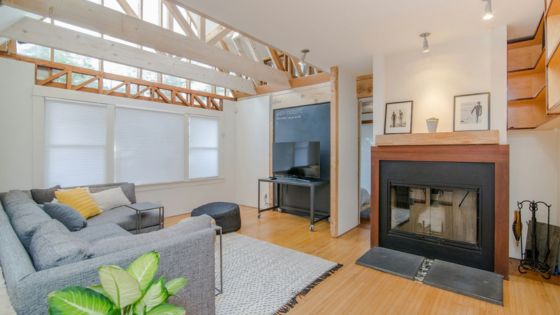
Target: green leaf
<point>79,301</point>
<point>99,289</point>
<point>167,309</point>
<point>174,286</point>
<point>156,295</point>
<point>144,268</point>
<point>122,288</point>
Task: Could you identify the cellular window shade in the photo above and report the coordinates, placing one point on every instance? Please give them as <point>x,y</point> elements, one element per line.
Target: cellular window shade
<point>203,147</point>
<point>150,146</point>
<point>75,143</point>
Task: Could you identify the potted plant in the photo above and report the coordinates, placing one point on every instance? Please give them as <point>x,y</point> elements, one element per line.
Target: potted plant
<point>126,292</point>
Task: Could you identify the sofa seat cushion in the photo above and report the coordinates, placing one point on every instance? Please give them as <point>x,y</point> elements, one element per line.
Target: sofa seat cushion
<point>53,245</point>
<point>94,233</point>
<point>66,215</point>
<point>116,244</point>
<point>126,218</point>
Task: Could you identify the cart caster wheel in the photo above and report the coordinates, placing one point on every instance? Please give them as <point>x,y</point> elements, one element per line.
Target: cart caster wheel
<point>312,228</point>
<point>279,210</point>
<point>258,216</point>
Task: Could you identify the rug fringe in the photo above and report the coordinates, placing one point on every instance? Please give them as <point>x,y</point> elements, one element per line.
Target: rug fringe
<point>293,301</point>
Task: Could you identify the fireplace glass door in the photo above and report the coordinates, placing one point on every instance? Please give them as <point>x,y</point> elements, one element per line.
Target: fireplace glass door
<point>436,213</point>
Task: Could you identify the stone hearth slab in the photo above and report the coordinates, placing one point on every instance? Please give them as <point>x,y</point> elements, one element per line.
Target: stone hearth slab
<point>391,261</point>
<point>480,284</point>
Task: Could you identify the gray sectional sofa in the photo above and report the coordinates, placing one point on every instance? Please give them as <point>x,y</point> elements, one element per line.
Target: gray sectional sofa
<point>29,238</point>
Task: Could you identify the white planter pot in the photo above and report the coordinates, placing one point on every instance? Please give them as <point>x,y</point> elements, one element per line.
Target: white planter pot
<point>432,124</point>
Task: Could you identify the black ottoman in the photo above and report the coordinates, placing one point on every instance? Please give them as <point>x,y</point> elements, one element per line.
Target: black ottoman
<point>226,215</point>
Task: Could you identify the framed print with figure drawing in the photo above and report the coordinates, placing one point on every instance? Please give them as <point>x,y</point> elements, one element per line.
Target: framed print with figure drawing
<point>471,112</point>
<point>398,117</point>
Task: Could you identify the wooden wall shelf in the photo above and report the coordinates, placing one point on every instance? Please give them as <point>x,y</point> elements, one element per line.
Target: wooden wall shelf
<point>440,138</point>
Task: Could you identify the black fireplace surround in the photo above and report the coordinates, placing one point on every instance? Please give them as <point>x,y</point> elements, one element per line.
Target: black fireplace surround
<point>433,179</point>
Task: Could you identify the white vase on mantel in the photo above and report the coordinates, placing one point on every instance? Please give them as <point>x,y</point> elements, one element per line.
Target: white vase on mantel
<point>432,124</point>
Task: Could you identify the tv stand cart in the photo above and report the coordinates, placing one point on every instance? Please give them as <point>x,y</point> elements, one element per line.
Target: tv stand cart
<point>280,181</point>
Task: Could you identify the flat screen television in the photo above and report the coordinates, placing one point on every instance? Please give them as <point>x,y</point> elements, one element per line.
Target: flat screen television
<point>297,159</point>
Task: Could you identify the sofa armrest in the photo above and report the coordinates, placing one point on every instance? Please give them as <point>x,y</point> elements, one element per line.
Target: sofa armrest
<point>182,255</point>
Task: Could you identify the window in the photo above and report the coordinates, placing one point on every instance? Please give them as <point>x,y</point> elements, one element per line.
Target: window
<point>75,143</point>
<point>203,147</point>
<point>150,146</point>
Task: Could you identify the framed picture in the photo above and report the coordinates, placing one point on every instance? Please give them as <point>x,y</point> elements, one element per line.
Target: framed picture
<point>398,117</point>
<point>471,112</point>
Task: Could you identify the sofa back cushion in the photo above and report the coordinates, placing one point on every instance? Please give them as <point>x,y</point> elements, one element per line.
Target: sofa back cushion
<point>14,259</point>
<point>25,215</point>
<point>53,245</point>
<point>65,215</point>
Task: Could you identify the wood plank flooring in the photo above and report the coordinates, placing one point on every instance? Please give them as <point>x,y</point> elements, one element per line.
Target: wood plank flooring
<point>358,290</point>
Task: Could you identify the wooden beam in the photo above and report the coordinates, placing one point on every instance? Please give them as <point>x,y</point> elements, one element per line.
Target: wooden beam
<point>92,16</point>
<point>251,51</point>
<point>276,59</point>
<point>127,8</point>
<point>334,151</point>
<point>217,35</point>
<point>30,30</point>
<point>202,29</point>
<point>176,14</point>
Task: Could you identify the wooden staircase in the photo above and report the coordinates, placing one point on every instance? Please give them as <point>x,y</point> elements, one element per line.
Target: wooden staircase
<point>527,107</point>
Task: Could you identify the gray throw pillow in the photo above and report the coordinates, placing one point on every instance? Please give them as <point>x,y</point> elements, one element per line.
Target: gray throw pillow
<point>71,218</point>
<point>53,245</point>
<point>44,195</point>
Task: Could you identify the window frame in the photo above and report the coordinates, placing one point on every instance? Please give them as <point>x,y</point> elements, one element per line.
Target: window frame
<point>42,98</point>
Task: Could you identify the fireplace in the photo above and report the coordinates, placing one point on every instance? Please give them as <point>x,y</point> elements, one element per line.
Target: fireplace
<point>440,210</point>
<point>448,202</point>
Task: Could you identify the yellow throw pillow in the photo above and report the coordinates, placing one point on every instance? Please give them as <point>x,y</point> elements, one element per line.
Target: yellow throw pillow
<point>80,200</point>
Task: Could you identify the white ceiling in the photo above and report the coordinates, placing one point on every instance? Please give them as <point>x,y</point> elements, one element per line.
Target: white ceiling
<point>349,32</point>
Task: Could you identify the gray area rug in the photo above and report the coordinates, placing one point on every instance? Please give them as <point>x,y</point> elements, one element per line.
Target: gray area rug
<point>476,283</point>
<point>262,278</point>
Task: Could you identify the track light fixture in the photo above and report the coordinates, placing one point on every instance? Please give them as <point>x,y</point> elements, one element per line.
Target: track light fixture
<point>488,14</point>
<point>304,53</point>
<point>425,44</point>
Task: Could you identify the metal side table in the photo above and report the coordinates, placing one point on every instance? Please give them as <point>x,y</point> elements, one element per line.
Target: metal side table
<point>220,290</point>
<point>144,207</point>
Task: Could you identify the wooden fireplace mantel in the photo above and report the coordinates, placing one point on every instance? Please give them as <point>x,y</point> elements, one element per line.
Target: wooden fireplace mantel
<point>495,154</point>
<point>440,138</point>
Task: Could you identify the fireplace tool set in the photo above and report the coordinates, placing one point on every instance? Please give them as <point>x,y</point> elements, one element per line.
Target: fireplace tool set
<point>530,260</point>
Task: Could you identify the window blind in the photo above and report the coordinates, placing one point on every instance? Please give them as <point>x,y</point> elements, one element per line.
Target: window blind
<point>203,147</point>
<point>149,146</point>
<point>75,143</point>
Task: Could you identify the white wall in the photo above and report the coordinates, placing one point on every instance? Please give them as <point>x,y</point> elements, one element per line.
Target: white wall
<point>348,150</point>
<point>534,175</point>
<point>16,124</point>
<point>21,127</point>
<point>464,66</point>
<point>252,130</point>
<point>366,141</point>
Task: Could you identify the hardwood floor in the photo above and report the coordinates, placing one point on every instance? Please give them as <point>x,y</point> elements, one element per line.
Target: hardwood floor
<point>358,290</point>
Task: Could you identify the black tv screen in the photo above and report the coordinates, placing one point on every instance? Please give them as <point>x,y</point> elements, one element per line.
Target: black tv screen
<point>297,159</point>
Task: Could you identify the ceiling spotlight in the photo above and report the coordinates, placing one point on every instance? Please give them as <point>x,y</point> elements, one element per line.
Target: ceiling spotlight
<point>425,44</point>
<point>488,14</point>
